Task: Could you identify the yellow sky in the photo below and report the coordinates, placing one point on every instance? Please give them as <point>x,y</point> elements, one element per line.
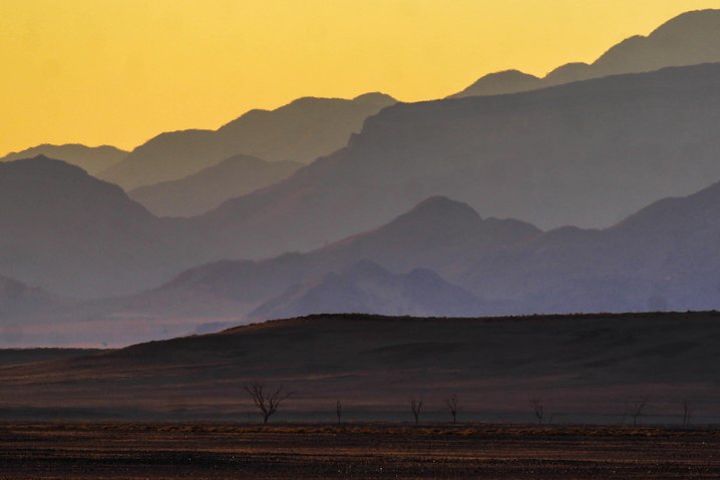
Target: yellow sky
<point>120,71</point>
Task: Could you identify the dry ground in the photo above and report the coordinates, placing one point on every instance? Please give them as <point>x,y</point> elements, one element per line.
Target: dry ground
<point>225,451</point>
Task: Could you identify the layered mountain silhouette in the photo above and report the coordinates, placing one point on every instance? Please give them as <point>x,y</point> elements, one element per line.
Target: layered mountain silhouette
<point>91,159</point>
<point>72,234</point>
<point>210,187</point>
<point>587,154</point>
<point>300,132</point>
<point>442,259</point>
<point>661,258</point>
<point>367,287</point>
<point>438,235</point>
<point>439,259</point>
<point>593,154</point>
<point>688,39</point>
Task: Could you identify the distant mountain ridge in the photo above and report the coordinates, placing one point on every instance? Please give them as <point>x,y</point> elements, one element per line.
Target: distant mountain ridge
<point>661,258</point>
<point>587,154</point>
<point>440,259</point>
<point>400,267</point>
<point>367,287</point>
<point>210,187</point>
<point>691,38</point>
<point>91,159</point>
<point>300,131</point>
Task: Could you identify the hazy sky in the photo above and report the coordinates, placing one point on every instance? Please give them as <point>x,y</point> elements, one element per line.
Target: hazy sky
<point>120,71</point>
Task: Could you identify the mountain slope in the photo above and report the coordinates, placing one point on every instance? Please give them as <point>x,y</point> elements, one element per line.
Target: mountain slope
<point>300,132</point>
<point>663,257</point>
<point>91,159</point>
<point>688,39</point>
<point>65,231</point>
<point>587,154</point>
<point>207,189</point>
<point>438,234</point>
<point>366,287</point>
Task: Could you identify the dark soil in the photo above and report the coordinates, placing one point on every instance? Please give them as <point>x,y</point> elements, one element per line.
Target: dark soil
<point>210,451</point>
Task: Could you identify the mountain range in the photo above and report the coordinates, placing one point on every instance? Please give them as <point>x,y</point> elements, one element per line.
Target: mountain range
<point>301,131</point>
<point>688,39</point>
<point>661,258</point>
<point>210,187</point>
<point>441,258</point>
<point>595,195</point>
<point>366,287</point>
<point>586,154</point>
<point>392,269</point>
<point>91,159</point>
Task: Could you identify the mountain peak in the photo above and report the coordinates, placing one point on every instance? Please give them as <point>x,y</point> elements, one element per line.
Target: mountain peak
<point>690,38</point>
<point>375,97</point>
<point>40,165</point>
<point>507,81</point>
<point>570,72</point>
<point>442,207</point>
<point>691,21</point>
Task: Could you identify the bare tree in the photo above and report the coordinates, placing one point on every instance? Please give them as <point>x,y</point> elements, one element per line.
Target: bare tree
<point>266,401</point>
<point>416,407</point>
<point>453,404</point>
<point>637,411</point>
<point>538,409</point>
<point>339,411</point>
<point>687,413</point>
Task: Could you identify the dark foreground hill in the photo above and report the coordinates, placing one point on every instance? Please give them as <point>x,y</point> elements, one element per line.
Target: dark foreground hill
<point>580,368</point>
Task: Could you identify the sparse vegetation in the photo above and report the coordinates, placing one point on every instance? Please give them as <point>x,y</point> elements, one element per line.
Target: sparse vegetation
<point>453,404</point>
<point>416,408</point>
<point>267,402</point>
<point>339,411</point>
<point>637,410</point>
<point>538,409</point>
<point>686,413</point>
